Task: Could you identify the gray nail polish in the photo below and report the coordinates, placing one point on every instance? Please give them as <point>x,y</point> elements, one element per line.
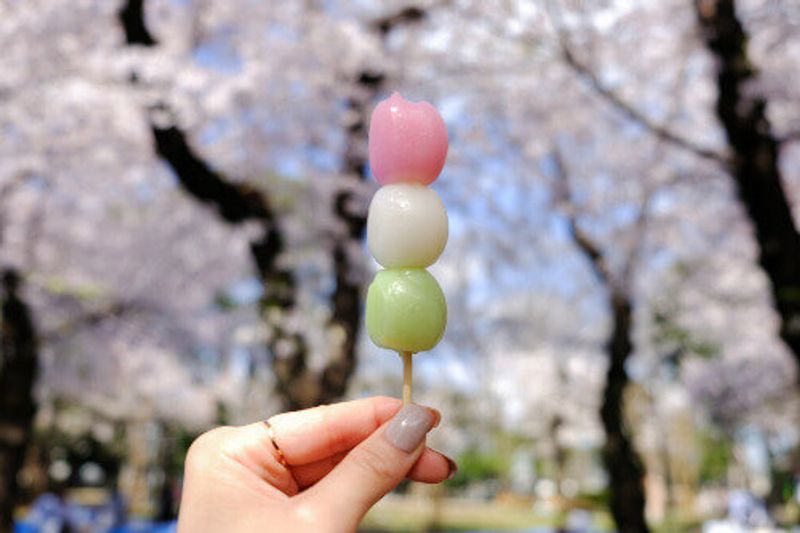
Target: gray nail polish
<point>408,427</point>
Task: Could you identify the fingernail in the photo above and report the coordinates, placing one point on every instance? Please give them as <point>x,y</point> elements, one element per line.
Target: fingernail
<point>437,417</point>
<point>453,468</point>
<point>409,426</point>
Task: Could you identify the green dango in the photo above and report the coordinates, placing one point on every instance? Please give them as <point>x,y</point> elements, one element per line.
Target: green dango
<point>406,310</point>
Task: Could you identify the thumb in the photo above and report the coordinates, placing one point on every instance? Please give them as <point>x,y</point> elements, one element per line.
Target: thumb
<point>374,467</point>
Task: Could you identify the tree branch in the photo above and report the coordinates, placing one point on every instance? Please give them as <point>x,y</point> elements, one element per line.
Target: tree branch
<point>627,109</point>
<point>89,319</point>
<point>792,136</point>
<point>407,15</point>
<point>12,184</point>
<point>235,202</point>
<point>659,130</point>
<point>131,15</point>
<point>586,245</point>
<point>640,232</point>
<point>6,191</point>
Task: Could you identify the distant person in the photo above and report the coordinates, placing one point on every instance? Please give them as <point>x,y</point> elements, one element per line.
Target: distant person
<point>316,470</point>
<point>747,510</point>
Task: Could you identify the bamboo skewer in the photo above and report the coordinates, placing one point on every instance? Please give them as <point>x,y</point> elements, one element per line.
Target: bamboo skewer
<point>407,376</point>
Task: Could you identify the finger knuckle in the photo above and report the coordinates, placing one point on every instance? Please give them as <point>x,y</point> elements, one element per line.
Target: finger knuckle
<point>201,451</point>
<point>374,464</point>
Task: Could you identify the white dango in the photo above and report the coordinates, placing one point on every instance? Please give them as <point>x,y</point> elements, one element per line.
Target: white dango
<point>406,226</point>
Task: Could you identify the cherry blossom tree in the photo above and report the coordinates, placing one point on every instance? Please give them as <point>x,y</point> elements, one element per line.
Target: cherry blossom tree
<point>183,188</point>
<point>299,381</point>
<point>566,74</point>
<point>83,203</point>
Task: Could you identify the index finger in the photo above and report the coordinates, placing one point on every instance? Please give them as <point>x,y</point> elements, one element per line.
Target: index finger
<point>314,434</point>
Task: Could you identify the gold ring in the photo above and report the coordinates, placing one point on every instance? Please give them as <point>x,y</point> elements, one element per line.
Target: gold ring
<point>271,435</point>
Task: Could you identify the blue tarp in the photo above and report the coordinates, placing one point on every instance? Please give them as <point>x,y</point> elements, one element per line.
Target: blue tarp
<point>49,514</point>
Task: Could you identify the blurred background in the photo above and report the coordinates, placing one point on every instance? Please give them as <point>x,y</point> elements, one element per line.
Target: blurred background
<point>183,191</point>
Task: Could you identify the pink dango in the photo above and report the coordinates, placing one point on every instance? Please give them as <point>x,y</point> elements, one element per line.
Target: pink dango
<point>407,142</point>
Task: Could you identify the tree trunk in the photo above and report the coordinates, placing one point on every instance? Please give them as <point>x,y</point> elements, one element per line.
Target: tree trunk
<point>755,169</point>
<point>625,470</point>
<point>621,461</point>
<point>18,367</point>
<point>238,203</point>
<point>297,384</point>
<point>346,300</point>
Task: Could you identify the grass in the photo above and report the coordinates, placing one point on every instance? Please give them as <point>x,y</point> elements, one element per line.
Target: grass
<point>419,513</point>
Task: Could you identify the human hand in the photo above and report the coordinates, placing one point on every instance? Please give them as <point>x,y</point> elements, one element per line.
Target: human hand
<point>339,461</point>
